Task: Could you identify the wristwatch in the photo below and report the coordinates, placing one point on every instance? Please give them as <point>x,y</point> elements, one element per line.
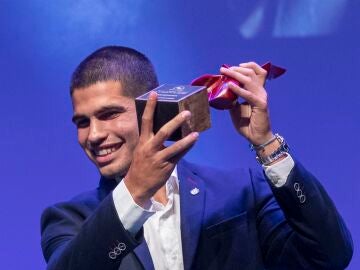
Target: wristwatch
<point>282,151</point>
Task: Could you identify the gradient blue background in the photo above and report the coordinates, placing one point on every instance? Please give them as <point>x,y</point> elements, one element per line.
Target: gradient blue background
<point>315,105</point>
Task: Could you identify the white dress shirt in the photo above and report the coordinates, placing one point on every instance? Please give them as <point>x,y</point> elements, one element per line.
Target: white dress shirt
<point>162,222</point>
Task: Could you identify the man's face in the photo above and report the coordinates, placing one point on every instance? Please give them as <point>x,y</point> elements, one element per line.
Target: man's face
<point>107,126</point>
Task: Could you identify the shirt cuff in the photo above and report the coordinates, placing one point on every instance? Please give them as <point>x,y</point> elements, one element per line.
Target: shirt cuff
<point>279,172</point>
<point>131,215</point>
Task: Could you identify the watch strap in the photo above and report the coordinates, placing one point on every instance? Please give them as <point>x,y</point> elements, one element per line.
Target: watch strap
<point>281,151</point>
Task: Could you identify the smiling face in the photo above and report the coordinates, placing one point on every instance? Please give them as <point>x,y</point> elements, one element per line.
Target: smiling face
<point>107,126</point>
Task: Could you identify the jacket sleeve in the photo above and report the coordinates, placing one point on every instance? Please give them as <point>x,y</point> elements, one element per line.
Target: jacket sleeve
<point>73,237</point>
<point>298,224</point>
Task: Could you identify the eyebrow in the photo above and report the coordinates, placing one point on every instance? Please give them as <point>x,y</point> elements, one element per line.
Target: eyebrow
<point>103,109</point>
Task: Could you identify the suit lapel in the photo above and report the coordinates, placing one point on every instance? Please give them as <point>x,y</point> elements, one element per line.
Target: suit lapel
<point>192,199</point>
<point>105,187</point>
<point>143,254</point>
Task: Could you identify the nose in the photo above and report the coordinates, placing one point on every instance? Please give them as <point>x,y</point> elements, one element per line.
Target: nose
<point>97,132</point>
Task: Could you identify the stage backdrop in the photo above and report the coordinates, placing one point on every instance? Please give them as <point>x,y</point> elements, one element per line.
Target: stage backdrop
<point>315,106</point>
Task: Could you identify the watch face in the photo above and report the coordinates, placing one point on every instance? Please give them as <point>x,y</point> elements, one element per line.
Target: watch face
<point>278,153</point>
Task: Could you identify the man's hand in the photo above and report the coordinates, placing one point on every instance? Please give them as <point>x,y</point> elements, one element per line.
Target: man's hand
<point>251,118</point>
<point>152,162</point>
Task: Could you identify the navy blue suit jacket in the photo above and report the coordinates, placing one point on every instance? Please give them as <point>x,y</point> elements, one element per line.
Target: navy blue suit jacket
<point>236,221</point>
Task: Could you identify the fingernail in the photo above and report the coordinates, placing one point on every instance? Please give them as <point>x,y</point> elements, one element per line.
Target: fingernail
<point>152,95</point>
<point>195,134</point>
<point>186,114</point>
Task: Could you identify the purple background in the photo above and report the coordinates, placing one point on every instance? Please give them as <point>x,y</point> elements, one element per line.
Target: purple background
<point>314,106</point>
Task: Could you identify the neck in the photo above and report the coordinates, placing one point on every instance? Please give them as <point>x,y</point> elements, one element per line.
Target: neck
<point>160,196</point>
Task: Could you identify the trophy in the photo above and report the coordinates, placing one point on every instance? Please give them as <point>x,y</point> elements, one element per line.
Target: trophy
<point>219,94</point>
<point>173,99</point>
<point>206,90</point>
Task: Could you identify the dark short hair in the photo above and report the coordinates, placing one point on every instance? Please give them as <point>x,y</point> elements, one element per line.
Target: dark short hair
<point>131,68</point>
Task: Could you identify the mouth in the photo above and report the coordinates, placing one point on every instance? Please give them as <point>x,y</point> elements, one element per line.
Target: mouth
<point>104,154</point>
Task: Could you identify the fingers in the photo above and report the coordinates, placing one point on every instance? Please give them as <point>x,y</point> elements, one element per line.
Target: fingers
<point>251,78</point>
<point>166,130</point>
<point>255,67</point>
<point>251,70</point>
<point>177,150</point>
<point>257,100</point>
<point>244,70</point>
<point>242,75</point>
<point>148,116</point>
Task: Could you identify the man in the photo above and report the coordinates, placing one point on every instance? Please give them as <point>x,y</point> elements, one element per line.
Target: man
<point>154,210</point>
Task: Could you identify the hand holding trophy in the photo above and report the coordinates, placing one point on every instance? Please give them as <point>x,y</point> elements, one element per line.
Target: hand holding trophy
<point>206,90</point>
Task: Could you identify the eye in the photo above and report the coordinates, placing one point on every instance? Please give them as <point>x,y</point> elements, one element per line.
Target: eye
<point>81,123</point>
<point>108,115</point>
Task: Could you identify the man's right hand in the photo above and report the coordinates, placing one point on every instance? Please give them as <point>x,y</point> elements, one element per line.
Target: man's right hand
<point>152,162</point>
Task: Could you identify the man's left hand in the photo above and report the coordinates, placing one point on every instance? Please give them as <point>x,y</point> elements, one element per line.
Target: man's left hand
<point>251,118</point>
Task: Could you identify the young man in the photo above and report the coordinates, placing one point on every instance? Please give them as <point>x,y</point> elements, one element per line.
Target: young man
<point>154,210</point>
